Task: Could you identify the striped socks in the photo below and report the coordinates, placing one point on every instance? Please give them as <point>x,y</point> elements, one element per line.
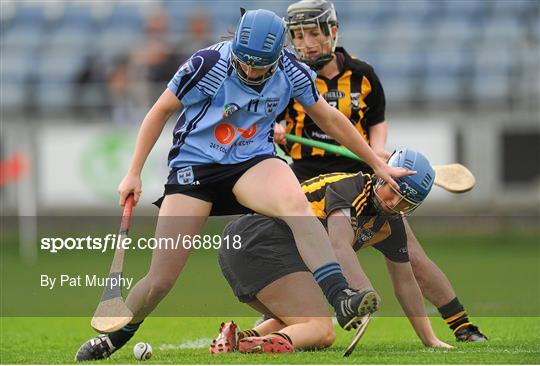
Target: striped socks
<point>248,333</point>
<point>454,315</point>
<point>254,333</point>
<point>331,281</point>
<point>284,336</point>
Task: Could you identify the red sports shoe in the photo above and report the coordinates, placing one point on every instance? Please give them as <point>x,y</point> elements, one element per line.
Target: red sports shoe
<point>227,339</point>
<point>267,344</point>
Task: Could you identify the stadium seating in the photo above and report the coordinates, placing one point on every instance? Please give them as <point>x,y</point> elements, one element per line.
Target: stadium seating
<point>444,51</point>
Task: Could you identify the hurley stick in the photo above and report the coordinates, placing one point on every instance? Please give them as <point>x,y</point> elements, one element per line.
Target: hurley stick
<point>454,178</point>
<point>112,313</point>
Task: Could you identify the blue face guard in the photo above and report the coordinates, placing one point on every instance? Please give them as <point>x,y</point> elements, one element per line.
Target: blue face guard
<point>236,63</point>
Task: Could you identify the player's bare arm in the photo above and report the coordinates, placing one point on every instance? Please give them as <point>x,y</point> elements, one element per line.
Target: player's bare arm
<point>149,132</point>
<point>377,139</point>
<point>341,236</point>
<point>410,298</point>
<point>405,286</point>
<point>335,124</point>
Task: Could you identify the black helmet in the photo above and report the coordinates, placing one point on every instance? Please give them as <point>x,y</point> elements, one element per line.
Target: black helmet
<point>310,13</point>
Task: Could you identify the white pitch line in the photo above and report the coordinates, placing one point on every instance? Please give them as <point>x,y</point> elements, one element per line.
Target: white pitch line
<point>191,344</point>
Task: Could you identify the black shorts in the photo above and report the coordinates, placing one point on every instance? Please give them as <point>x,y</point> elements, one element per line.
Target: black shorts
<point>308,168</point>
<point>267,253</point>
<point>211,183</point>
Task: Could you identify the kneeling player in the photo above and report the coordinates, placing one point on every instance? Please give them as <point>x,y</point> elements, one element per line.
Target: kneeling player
<point>268,273</point>
<point>342,78</point>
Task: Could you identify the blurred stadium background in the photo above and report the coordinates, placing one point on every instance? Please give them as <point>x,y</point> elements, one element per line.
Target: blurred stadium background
<point>461,78</point>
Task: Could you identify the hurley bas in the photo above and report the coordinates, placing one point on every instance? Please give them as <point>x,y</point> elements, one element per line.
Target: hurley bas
<point>85,281</point>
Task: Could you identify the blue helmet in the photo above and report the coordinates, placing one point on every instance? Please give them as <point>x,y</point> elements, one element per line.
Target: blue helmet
<point>258,43</point>
<point>413,189</point>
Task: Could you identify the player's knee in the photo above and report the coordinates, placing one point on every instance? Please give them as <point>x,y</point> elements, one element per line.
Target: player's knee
<point>325,330</point>
<point>294,204</point>
<point>159,288</point>
<point>328,337</point>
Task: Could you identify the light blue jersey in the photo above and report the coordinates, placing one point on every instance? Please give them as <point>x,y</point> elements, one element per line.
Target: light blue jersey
<point>225,121</point>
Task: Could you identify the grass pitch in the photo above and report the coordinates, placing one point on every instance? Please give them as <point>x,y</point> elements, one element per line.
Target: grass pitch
<point>496,275</point>
<point>186,341</point>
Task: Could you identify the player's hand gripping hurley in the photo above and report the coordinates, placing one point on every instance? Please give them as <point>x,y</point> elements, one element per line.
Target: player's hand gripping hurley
<point>112,313</point>
<point>454,178</point>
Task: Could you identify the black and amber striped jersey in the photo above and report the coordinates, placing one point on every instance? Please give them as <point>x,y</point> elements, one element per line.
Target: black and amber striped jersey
<point>356,91</point>
<point>353,191</point>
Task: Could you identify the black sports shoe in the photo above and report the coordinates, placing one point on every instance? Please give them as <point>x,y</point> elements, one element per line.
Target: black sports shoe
<point>353,306</point>
<point>97,348</point>
<point>470,333</point>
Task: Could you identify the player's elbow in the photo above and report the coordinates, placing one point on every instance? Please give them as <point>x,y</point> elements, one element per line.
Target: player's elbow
<point>420,265</point>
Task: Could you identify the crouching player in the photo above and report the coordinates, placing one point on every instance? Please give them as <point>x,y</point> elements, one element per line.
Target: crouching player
<point>353,87</point>
<point>268,273</point>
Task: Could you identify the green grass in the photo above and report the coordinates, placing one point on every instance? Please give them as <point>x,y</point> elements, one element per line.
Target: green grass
<point>496,274</point>
<point>387,340</point>
<point>493,275</point>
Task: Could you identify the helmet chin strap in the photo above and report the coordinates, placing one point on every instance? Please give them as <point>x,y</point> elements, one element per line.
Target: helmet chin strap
<point>323,59</point>
<point>320,62</point>
<point>245,79</point>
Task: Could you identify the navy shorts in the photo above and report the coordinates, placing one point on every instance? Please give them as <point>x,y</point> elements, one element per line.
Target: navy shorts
<point>267,252</point>
<point>310,167</point>
<point>211,183</point>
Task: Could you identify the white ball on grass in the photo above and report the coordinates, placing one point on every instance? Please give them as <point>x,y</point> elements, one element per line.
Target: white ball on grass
<point>142,351</point>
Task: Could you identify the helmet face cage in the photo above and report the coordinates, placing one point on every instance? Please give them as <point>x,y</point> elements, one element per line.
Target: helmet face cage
<point>403,207</point>
<point>324,25</point>
<point>236,64</point>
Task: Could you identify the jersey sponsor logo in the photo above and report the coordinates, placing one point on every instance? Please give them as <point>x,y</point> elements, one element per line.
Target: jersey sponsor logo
<point>271,104</point>
<point>355,100</point>
<point>225,132</point>
<point>334,95</point>
<point>365,235</point>
<point>249,132</point>
<point>229,109</point>
<point>185,176</point>
<point>312,133</point>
